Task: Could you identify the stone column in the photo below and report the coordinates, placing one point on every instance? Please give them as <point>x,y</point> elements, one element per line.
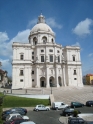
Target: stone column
<point>63,70</point>
<point>56,75</point>
<point>37,77</point>
<point>47,77</point>
<point>30,77</point>
<point>25,77</point>
<point>47,56</point>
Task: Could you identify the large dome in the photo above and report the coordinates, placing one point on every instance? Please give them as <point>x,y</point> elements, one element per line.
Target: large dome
<point>41,26</point>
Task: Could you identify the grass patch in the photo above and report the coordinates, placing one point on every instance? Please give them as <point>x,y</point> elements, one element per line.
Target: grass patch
<point>1,109</point>
<point>14,101</point>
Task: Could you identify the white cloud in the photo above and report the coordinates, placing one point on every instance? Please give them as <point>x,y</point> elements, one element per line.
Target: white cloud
<point>3,37</point>
<point>50,21</point>
<point>31,23</point>
<point>6,47</point>
<point>21,37</point>
<point>53,23</point>
<point>5,62</point>
<point>76,44</point>
<point>83,27</point>
<point>90,54</point>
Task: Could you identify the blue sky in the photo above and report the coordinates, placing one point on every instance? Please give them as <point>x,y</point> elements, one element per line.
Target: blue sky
<point>71,20</point>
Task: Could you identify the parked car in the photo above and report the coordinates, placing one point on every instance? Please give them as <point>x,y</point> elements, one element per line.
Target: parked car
<point>28,122</point>
<point>76,104</point>
<point>15,121</point>
<point>89,103</point>
<point>4,115</point>
<point>69,111</point>
<point>16,115</point>
<point>58,105</point>
<point>21,111</point>
<point>75,120</point>
<point>41,108</point>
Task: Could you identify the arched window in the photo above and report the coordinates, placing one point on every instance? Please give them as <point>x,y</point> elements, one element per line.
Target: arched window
<point>44,39</point>
<point>34,41</point>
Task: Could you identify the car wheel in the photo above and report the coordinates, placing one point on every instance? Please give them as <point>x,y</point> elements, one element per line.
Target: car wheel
<point>47,109</point>
<point>56,108</point>
<point>37,110</point>
<point>91,105</point>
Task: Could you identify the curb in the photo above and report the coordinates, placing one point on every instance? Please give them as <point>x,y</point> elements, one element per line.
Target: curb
<point>63,120</point>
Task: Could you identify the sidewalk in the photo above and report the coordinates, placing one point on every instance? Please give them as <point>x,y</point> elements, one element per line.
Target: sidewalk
<point>86,117</point>
<point>63,120</point>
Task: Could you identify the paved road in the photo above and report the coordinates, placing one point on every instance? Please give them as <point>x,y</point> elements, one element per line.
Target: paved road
<point>44,117</point>
<point>52,116</point>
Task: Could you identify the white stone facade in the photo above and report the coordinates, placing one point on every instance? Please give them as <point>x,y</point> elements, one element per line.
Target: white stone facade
<point>43,63</point>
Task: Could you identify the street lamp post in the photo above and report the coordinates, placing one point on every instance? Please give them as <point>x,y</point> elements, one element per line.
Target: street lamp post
<point>51,86</point>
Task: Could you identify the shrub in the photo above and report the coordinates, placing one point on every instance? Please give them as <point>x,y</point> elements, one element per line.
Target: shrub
<point>75,113</point>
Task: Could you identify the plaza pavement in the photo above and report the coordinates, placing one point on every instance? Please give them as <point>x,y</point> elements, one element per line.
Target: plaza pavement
<point>63,94</point>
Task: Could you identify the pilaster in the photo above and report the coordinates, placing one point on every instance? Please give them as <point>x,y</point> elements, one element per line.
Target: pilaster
<point>63,70</point>
<point>37,77</point>
<point>47,77</point>
<point>56,75</point>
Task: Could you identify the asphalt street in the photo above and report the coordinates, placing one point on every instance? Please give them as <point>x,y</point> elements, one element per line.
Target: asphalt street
<point>52,116</point>
<point>44,117</point>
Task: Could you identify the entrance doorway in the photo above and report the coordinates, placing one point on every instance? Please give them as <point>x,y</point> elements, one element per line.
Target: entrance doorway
<point>51,82</point>
<point>42,82</point>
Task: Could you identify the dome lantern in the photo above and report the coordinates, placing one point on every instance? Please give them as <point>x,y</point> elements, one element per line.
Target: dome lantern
<point>41,19</point>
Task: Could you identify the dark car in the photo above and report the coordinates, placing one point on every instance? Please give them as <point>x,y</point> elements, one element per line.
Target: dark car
<point>22,111</point>
<point>69,111</point>
<point>12,112</point>
<point>76,120</point>
<point>15,121</point>
<point>76,104</point>
<point>89,103</point>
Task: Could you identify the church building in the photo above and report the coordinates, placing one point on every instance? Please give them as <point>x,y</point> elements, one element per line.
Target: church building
<point>43,63</point>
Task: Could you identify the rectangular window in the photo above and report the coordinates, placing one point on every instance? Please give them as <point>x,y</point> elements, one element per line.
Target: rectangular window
<point>32,57</point>
<point>21,80</point>
<point>58,58</point>
<point>21,57</point>
<point>42,50</point>
<point>51,58</point>
<point>32,80</point>
<point>75,78</point>
<point>32,72</point>
<point>74,72</point>
<point>50,50</point>
<point>42,58</point>
<point>21,72</point>
<point>73,58</point>
<point>32,53</point>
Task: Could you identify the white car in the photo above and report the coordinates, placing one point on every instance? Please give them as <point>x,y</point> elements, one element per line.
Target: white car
<point>28,122</point>
<point>59,105</point>
<point>41,108</point>
<point>16,115</point>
